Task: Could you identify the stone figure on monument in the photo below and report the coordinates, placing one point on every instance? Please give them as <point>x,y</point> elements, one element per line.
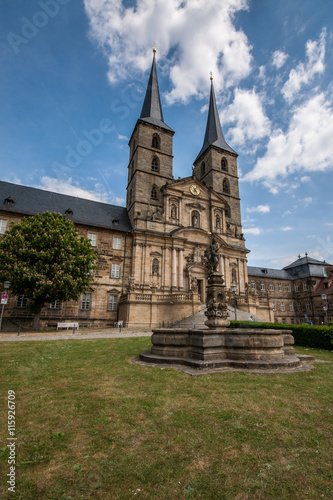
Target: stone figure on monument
<point>212,256</point>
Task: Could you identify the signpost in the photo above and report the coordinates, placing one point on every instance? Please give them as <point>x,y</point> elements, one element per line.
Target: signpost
<point>4,300</point>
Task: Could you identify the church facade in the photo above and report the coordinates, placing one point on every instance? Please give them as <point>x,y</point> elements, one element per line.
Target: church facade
<point>151,268</point>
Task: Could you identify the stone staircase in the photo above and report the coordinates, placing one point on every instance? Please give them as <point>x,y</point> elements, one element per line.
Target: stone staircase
<point>197,320</point>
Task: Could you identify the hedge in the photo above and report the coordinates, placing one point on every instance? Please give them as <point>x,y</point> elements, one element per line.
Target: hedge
<point>305,335</point>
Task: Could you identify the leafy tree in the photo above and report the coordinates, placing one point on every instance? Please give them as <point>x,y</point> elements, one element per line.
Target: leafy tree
<point>45,260</point>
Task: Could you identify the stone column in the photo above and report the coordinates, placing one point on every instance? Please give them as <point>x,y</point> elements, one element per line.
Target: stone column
<point>221,265</point>
<point>227,273</point>
<point>181,269</point>
<point>174,269</point>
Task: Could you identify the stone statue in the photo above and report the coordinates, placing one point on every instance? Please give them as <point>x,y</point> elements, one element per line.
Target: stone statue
<point>194,284</point>
<point>212,256</point>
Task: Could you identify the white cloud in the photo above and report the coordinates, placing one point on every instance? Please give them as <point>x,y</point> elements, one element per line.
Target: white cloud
<point>193,38</point>
<point>286,228</point>
<point>279,58</point>
<point>304,73</point>
<point>99,193</point>
<point>252,230</point>
<point>248,114</point>
<point>263,209</point>
<point>305,178</point>
<point>306,201</point>
<point>306,146</point>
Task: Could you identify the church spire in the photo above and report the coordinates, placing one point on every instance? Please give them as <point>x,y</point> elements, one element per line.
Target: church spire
<point>214,135</point>
<point>152,108</point>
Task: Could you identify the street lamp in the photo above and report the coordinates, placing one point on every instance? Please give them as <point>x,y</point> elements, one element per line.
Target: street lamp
<point>325,306</point>
<point>234,290</point>
<point>4,300</point>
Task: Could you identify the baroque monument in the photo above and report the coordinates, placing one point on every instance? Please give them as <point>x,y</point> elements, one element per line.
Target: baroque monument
<point>220,347</point>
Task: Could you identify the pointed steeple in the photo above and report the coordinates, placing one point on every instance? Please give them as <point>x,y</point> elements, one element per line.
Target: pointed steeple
<point>152,108</point>
<point>214,135</point>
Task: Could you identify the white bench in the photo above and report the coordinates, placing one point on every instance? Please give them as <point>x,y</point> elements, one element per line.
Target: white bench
<point>67,325</point>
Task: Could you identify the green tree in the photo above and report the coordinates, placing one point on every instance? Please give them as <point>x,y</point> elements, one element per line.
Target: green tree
<point>45,260</point>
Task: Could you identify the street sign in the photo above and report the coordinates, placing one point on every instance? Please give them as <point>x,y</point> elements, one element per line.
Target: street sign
<point>4,301</point>
<point>4,296</point>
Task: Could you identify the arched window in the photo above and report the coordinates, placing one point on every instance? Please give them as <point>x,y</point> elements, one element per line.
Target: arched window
<point>155,143</point>
<point>155,268</point>
<point>155,166</point>
<point>203,169</point>
<point>233,276</point>
<point>227,211</point>
<point>226,186</point>
<point>224,165</point>
<point>195,219</point>
<point>153,194</point>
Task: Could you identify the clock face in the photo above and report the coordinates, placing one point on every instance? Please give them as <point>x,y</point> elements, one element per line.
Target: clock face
<point>194,189</point>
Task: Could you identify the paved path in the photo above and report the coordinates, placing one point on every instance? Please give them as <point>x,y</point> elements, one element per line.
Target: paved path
<point>78,335</point>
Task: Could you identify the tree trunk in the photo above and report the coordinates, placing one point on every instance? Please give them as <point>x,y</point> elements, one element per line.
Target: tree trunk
<point>36,321</point>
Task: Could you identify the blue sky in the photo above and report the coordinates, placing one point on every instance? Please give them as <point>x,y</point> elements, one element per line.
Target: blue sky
<point>73,78</point>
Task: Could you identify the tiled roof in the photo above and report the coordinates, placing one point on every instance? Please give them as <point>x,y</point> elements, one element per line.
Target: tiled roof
<point>30,201</point>
<point>261,272</point>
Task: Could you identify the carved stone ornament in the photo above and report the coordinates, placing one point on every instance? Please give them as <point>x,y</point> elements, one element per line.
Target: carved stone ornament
<point>196,257</point>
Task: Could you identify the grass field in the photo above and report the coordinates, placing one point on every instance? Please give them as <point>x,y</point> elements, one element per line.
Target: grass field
<point>89,424</point>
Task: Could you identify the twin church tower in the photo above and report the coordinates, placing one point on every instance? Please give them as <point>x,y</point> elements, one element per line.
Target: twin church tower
<point>173,220</point>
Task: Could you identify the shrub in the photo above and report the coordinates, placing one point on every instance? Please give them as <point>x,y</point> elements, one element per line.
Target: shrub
<point>305,335</point>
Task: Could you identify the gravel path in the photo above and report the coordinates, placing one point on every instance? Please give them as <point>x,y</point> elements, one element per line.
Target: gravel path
<point>78,335</point>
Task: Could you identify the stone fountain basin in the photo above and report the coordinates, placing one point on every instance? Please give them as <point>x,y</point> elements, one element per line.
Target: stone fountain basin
<point>228,347</point>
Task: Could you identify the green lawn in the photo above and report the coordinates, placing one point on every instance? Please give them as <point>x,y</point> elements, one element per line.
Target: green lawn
<point>92,425</point>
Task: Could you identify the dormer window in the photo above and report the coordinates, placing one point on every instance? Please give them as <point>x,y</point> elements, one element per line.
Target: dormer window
<point>69,212</point>
<point>224,165</point>
<point>115,222</point>
<point>155,164</point>
<point>155,143</point>
<point>9,201</point>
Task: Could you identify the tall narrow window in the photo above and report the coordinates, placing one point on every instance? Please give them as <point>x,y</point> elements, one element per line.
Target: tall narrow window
<point>155,165</point>
<point>226,186</point>
<point>224,165</point>
<point>3,224</point>
<point>282,307</point>
<point>227,211</point>
<point>86,301</point>
<point>116,243</point>
<point>115,270</point>
<point>274,305</point>
<point>92,238</point>
<point>155,143</point>
<point>113,302</point>
<point>155,267</point>
<point>203,169</point>
<point>153,194</point>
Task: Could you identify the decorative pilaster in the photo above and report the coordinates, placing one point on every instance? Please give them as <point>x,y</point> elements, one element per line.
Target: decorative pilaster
<point>174,269</point>
<point>181,269</point>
